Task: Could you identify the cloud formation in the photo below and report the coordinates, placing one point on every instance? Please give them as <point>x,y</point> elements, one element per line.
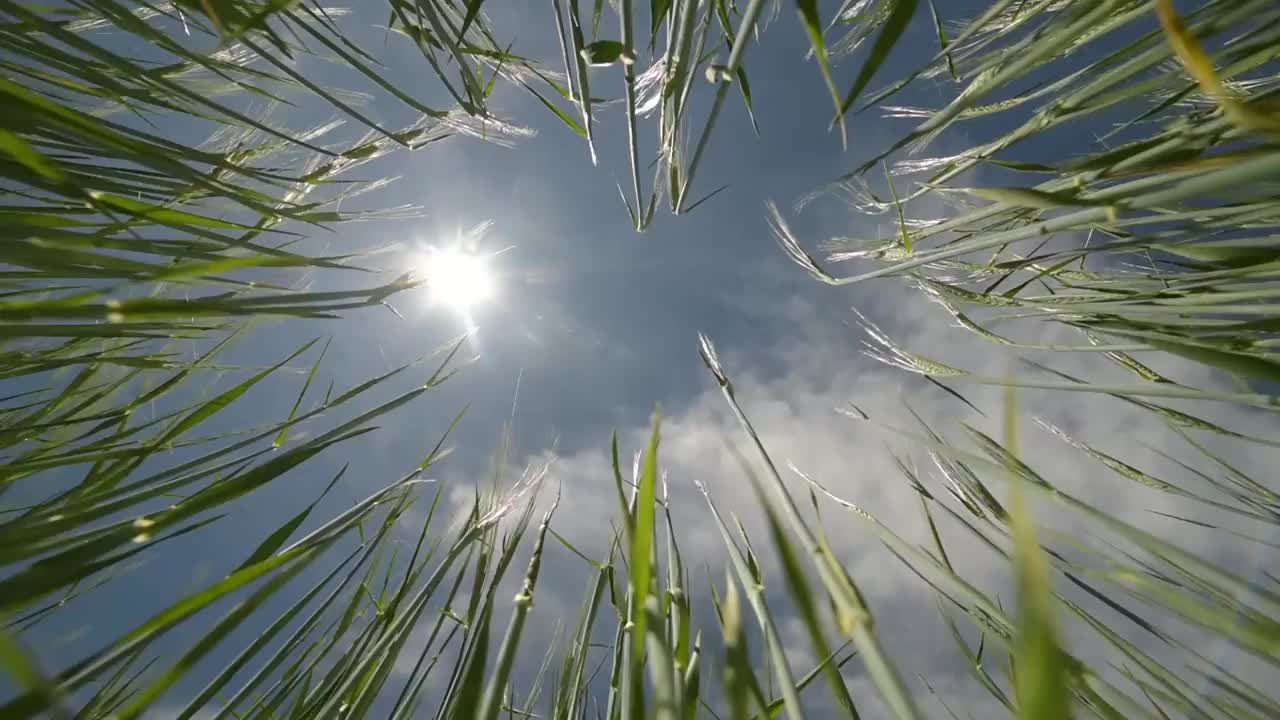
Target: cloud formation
<point>793,391</point>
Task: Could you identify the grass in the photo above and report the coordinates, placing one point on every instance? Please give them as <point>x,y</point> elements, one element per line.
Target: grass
<point>126,245</point>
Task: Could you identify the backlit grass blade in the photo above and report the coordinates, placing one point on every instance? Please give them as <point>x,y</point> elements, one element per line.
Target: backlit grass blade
<point>641,540</point>
<point>1040,683</point>
<point>739,675</point>
<point>895,25</point>
<point>813,26</point>
<point>805,604</point>
<point>260,642</point>
<point>490,704</point>
<point>278,538</point>
<point>723,77</point>
<point>852,616</point>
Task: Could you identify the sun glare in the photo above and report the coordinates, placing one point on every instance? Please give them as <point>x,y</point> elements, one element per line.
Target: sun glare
<point>458,279</point>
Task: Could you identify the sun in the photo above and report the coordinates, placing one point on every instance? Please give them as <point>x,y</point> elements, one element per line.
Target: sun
<point>458,279</point>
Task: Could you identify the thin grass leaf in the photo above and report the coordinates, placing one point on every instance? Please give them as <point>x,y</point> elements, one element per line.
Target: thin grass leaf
<point>894,26</point>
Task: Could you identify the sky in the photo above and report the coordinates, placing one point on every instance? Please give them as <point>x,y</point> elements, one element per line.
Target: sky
<point>593,326</point>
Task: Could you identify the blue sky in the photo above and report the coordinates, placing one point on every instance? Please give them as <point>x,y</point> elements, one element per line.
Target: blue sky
<point>597,324</point>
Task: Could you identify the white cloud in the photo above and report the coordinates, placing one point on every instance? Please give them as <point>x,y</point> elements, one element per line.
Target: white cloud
<point>794,412</point>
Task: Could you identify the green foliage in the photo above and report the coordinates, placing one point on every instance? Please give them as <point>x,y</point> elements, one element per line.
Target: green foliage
<point>123,240</point>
